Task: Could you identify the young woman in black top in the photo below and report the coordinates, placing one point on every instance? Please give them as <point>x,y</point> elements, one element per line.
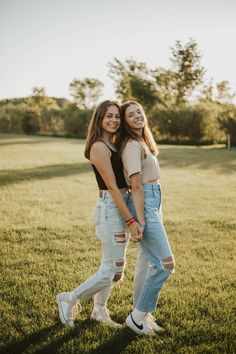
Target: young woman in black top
<point>110,216</point>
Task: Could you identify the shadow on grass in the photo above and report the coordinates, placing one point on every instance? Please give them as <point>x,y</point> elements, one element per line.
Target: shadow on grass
<point>40,173</point>
<point>116,344</point>
<point>20,346</point>
<point>119,341</point>
<point>52,339</point>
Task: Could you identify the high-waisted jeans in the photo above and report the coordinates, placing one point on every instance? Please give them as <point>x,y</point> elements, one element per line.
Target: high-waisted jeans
<point>110,229</point>
<point>150,271</point>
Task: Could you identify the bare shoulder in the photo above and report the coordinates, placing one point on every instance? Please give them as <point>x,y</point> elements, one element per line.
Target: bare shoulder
<point>99,150</point>
<point>98,145</point>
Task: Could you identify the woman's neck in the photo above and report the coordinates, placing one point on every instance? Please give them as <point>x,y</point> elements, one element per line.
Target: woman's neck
<point>107,138</point>
<point>138,132</point>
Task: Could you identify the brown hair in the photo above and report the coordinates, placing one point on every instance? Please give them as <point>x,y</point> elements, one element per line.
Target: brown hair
<point>95,125</point>
<point>126,133</point>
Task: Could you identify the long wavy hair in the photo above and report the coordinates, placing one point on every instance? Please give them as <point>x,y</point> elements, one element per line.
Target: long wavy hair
<point>126,133</point>
<point>95,125</point>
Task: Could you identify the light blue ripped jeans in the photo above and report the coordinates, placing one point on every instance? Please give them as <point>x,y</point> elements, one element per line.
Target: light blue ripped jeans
<point>110,229</point>
<point>150,272</point>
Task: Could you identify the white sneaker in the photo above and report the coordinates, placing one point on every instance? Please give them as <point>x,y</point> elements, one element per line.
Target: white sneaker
<point>101,314</point>
<point>67,309</point>
<point>152,324</point>
<point>141,328</point>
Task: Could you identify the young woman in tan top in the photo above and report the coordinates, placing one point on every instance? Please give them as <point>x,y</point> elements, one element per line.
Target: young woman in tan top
<point>155,261</point>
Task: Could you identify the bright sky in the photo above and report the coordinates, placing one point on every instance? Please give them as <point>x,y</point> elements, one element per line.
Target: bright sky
<point>48,43</point>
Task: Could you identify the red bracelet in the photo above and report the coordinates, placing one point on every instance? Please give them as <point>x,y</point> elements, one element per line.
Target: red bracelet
<point>129,219</point>
<point>132,221</point>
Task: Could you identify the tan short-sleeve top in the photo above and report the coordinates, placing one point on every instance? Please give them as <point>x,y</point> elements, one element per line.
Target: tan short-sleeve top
<point>134,162</point>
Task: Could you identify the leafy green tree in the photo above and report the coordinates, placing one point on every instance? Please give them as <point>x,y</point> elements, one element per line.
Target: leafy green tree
<point>188,71</point>
<point>38,100</point>
<point>86,92</point>
<point>134,81</point>
<point>143,91</point>
<point>224,95</point>
<point>40,103</point>
<point>165,86</point>
<point>161,88</point>
<point>122,73</point>
<point>207,92</point>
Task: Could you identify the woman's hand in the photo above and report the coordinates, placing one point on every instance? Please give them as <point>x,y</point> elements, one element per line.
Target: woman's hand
<point>136,232</point>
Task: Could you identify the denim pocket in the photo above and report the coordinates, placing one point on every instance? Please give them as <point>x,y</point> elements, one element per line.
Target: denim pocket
<point>113,213</point>
<point>148,193</point>
<point>152,207</point>
<point>96,215</point>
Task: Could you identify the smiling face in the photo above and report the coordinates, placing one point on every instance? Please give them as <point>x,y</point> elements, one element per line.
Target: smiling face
<point>135,118</point>
<point>111,121</point>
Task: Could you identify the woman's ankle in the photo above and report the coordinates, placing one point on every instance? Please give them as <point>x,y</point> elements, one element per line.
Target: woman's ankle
<point>138,315</point>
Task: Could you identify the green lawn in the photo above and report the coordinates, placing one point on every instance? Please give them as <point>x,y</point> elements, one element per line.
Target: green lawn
<point>48,245</point>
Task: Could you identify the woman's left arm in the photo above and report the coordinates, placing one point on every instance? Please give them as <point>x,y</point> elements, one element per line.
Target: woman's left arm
<point>138,196</point>
<point>132,161</point>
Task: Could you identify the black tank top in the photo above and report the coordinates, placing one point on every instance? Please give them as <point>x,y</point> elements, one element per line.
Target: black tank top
<point>118,171</point>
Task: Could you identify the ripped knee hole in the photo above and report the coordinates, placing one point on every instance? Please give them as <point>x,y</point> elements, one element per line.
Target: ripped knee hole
<point>120,237</point>
<point>119,270</point>
<point>168,263</point>
<point>117,276</point>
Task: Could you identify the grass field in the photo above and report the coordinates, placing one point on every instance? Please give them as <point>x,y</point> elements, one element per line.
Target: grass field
<point>48,245</point>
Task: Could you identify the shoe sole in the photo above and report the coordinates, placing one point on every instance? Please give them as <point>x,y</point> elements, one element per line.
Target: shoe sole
<point>158,330</point>
<point>108,323</point>
<point>61,315</point>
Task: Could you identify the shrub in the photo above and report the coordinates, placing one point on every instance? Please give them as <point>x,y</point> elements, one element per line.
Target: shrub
<point>194,124</point>
<point>30,122</point>
<point>227,121</point>
<point>76,121</point>
<point>10,119</point>
<point>5,121</point>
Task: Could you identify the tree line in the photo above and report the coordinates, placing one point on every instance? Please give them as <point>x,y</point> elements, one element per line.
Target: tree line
<point>181,104</point>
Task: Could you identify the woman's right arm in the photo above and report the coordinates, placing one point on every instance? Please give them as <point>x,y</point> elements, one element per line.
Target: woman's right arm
<point>100,157</point>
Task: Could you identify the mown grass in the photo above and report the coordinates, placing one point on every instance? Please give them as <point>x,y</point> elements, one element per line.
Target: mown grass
<point>48,245</point>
